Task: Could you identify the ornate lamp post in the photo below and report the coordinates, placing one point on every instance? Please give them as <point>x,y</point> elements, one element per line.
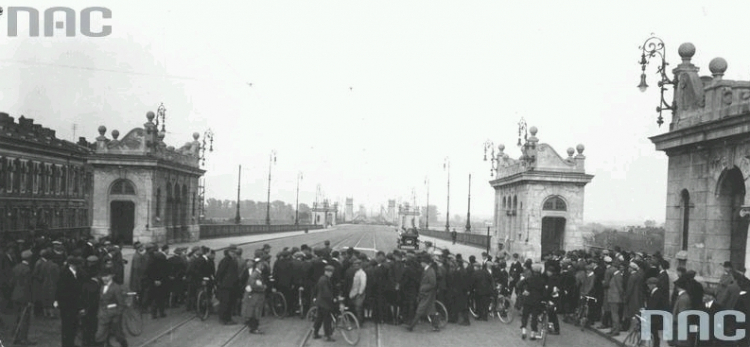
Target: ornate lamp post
<point>528,147</point>
<point>447,167</point>
<point>468,212</point>
<point>161,113</point>
<point>271,161</point>
<point>207,135</point>
<point>494,159</point>
<point>427,210</point>
<point>237,218</point>
<point>296,213</point>
<point>651,48</point>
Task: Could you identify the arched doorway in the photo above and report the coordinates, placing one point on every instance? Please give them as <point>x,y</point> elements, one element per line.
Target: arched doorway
<point>731,197</point>
<point>553,224</point>
<point>122,212</point>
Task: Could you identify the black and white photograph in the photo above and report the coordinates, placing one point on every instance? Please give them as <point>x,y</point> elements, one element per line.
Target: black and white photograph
<point>374,173</point>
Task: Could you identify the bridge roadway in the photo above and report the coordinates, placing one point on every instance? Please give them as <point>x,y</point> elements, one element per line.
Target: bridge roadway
<point>181,329</point>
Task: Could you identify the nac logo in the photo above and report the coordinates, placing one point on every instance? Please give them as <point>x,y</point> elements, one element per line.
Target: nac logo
<point>50,23</point>
<point>704,329</point>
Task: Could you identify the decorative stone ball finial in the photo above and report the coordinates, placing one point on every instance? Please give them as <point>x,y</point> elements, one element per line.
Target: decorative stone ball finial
<point>501,148</point>
<point>717,66</point>
<point>115,134</point>
<point>150,116</point>
<point>580,149</point>
<point>686,51</point>
<point>533,130</point>
<point>196,136</point>
<point>162,135</point>
<point>571,151</point>
<point>102,129</point>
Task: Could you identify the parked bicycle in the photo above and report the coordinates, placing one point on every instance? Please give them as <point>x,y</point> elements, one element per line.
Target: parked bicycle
<point>343,320</point>
<point>204,302</point>
<point>634,336</point>
<point>544,324</point>
<point>584,311</point>
<point>500,307</point>
<point>441,314</point>
<point>276,303</point>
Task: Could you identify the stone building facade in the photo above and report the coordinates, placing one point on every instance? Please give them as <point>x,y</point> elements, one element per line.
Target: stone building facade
<point>325,213</point>
<point>44,182</point>
<point>708,145</point>
<point>143,189</point>
<point>539,199</point>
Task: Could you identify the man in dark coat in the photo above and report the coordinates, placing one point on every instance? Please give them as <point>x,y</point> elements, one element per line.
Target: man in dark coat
<point>410,286</point>
<point>427,295</point>
<point>157,272</point>
<point>516,269</point>
<point>90,301</point>
<point>656,299</point>
<point>227,277</point>
<point>484,286</point>
<point>325,303</point>
<point>21,296</point>
<point>68,298</point>
<point>463,286</point>
<point>532,289</point>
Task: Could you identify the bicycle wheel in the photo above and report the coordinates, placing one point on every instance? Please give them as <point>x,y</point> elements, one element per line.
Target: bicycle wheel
<point>442,312</point>
<point>202,305</point>
<point>278,304</point>
<point>473,308</point>
<point>504,311</point>
<point>543,329</point>
<point>133,321</point>
<point>312,314</point>
<point>584,318</point>
<point>349,326</point>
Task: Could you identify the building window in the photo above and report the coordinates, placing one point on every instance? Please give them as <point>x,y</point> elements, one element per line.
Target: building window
<point>23,177</point>
<point>53,180</point>
<point>10,174</point>
<point>685,206</point>
<point>3,170</point>
<point>40,178</point>
<point>193,205</point>
<point>158,202</point>
<point>75,179</point>
<point>515,204</point>
<point>554,203</point>
<point>122,187</point>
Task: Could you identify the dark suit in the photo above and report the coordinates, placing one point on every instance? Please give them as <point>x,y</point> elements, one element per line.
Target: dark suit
<point>90,295</point>
<point>427,296</point>
<point>111,305</point>
<point>157,272</point>
<point>484,286</point>
<point>68,298</point>
<point>325,304</point>
<point>657,300</point>
<point>21,296</point>
<point>227,277</point>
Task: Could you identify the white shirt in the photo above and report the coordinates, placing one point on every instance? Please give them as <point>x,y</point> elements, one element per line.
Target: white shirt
<point>359,284</point>
<point>106,287</point>
<point>74,272</point>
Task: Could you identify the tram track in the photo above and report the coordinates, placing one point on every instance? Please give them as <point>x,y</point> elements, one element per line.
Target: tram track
<point>167,331</point>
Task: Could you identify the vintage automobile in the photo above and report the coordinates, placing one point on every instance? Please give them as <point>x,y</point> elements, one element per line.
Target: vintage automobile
<point>408,238</point>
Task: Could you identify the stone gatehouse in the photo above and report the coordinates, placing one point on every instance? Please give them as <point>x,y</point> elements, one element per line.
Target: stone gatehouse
<point>144,190</point>
<point>539,199</point>
<point>708,145</point>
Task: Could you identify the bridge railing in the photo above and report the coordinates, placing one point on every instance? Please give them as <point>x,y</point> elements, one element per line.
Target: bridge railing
<point>210,231</point>
<point>478,240</point>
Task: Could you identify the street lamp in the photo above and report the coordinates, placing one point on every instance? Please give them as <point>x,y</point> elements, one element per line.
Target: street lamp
<point>652,47</point>
<point>271,161</point>
<point>427,210</point>
<point>447,167</point>
<point>208,134</point>
<point>161,112</point>
<point>528,148</point>
<point>468,210</point>
<point>237,218</point>
<point>494,160</point>
<point>296,213</point>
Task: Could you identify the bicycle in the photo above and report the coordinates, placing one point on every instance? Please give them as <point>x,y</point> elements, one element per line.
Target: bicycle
<point>544,323</point>
<point>343,320</point>
<point>132,318</point>
<point>582,314</point>
<point>500,307</point>
<point>634,336</point>
<point>204,300</point>
<point>276,303</point>
<point>26,312</point>
<point>442,313</point>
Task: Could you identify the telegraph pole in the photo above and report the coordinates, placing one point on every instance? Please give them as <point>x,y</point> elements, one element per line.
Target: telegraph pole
<point>237,218</point>
<point>447,166</point>
<point>468,212</point>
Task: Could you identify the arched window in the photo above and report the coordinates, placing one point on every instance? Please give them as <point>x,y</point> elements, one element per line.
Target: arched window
<point>505,205</point>
<point>193,214</point>
<point>555,203</point>
<point>122,187</point>
<point>158,202</point>
<point>54,180</point>
<point>3,170</point>
<point>515,204</point>
<point>64,179</point>
<point>685,207</point>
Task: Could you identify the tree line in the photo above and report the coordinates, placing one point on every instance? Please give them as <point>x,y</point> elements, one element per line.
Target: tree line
<point>281,212</point>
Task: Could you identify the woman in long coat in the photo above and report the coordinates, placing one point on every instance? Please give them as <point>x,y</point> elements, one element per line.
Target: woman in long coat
<point>44,285</point>
<point>253,296</point>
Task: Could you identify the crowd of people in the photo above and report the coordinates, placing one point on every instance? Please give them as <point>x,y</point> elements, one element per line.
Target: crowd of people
<point>83,281</point>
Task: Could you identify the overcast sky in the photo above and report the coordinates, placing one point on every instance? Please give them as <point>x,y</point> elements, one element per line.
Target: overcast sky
<point>366,98</point>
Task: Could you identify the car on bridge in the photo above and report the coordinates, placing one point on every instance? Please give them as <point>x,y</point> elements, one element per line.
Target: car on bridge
<point>408,238</point>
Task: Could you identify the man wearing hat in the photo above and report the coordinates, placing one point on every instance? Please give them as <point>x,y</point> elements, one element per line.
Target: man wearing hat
<point>45,276</point>
<point>157,272</point>
<point>90,294</point>
<point>324,301</point>
<point>227,277</point>
<point>656,299</point>
<point>683,303</point>
<point>21,297</point>
<point>58,255</point>
<point>111,305</point>
<point>357,291</point>
<point>606,308</point>
<point>728,291</point>
<point>427,295</point>
<point>634,295</point>
<point>67,299</point>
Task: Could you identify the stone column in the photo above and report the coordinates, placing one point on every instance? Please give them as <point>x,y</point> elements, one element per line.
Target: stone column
<point>744,213</point>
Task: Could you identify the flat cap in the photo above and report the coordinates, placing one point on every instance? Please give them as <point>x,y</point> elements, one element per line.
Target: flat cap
<point>56,242</point>
<point>607,259</point>
<point>330,268</point>
<point>652,280</point>
<point>26,254</point>
<point>74,260</point>
<point>92,259</point>
<point>232,247</point>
